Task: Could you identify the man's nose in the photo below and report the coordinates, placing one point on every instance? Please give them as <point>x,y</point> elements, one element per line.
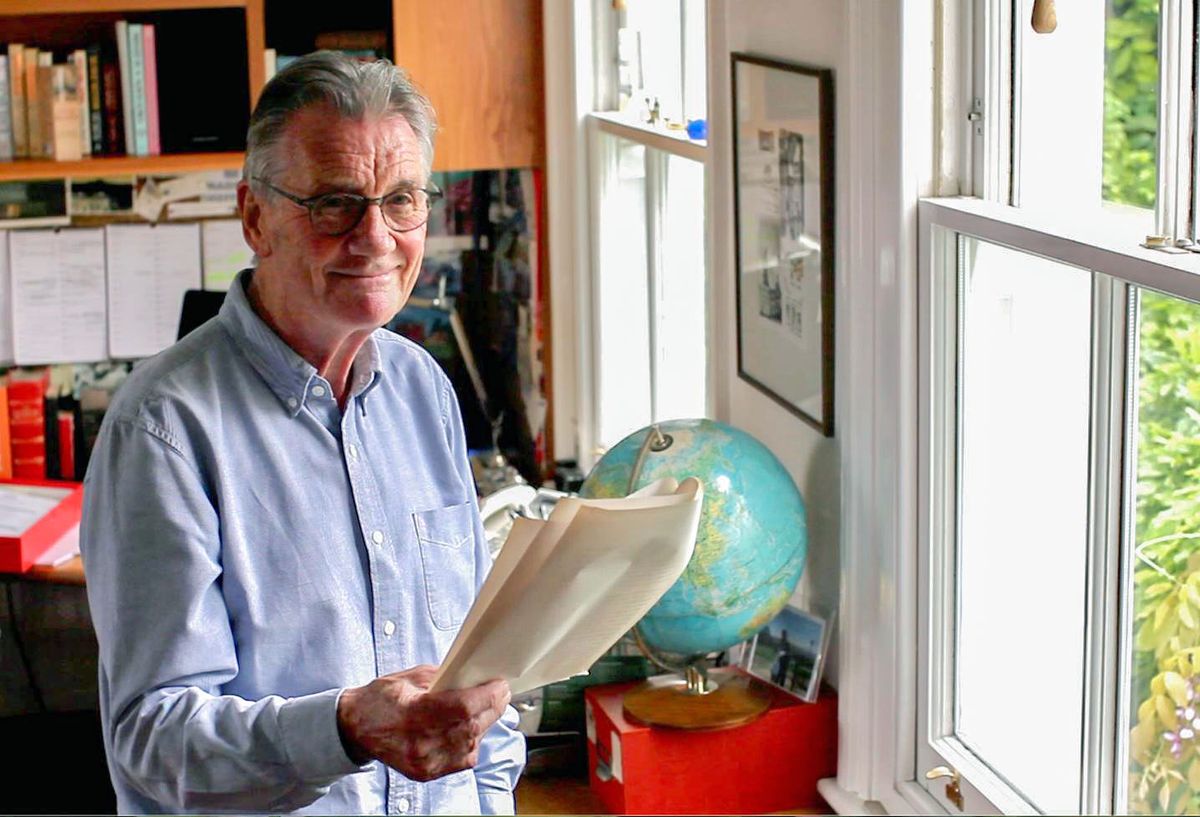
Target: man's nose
<point>372,233</point>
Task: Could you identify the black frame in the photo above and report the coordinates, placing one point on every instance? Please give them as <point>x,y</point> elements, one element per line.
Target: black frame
<point>825,160</point>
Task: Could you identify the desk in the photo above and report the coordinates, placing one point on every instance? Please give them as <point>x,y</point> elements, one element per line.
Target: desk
<point>70,572</point>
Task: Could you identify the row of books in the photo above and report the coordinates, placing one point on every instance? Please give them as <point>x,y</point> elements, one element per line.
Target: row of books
<point>95,101</point>
<point>47,426</point>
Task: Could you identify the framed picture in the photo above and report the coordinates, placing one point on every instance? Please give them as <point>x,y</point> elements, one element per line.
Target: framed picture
<point>790,651</point>
<point>783,210</point>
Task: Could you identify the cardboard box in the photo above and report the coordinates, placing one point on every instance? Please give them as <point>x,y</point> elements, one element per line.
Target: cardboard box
<point>18,551</point>
<point>770,764</point>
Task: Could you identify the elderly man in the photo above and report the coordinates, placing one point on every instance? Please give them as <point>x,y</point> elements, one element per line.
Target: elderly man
<point>280,531</point>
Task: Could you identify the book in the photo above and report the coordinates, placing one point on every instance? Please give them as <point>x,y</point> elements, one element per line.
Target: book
<point>6,135</point>
<point>150,63</point>
<point>27,422</point>
<point>113,109</point>
<point>122,33</point>
<point>65,134</point>
<point>95,100</point>
<point>79,59</point>
<point>137,90</point>
<point>16,94</point>
<point>33,106</point>
<point>6,470</point>
<point>65,418</point>
<point>564,590</point>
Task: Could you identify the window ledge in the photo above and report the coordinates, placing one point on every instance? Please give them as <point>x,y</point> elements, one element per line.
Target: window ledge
<point>669,141</point>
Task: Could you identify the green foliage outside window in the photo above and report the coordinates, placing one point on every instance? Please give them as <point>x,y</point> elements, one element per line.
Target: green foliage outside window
<point>1131,102</point>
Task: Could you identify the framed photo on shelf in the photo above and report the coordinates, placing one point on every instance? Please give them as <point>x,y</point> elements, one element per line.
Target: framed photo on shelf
<point>783,143</point>
<point>790,651</point>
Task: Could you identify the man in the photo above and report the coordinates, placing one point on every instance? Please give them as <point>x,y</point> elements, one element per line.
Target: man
<point>280,531</point>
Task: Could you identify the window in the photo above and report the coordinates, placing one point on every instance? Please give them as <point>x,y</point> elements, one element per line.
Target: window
<point>1059,450</point>
<point>649,279</point>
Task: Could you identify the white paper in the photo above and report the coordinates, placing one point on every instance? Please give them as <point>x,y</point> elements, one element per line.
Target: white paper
<point>58,306</point>
<point>6,315</point>
<point>150,267</point>
<point>563,591</point>
<point>22,506</point>
<point>62,551</point>
<point>615,764</point>
<point>226,252</point>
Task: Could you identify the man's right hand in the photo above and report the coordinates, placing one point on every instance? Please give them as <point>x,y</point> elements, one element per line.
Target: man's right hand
<point>420,734</point>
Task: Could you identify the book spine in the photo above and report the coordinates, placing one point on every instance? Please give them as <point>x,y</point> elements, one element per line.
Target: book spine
<point>137,90</point>
<point>33,106</point>
<point>122,29</point>
<point>150,58</point>
<point>6,469</point>
<point>114,121</point>
<point>16,92</point>
<point>45,103</point>
<point>65,114</point>
<point>6,136</point>
<point>27,428</point>
<point>66,445</point>
<point>95,100</point>
<point>79,58</point>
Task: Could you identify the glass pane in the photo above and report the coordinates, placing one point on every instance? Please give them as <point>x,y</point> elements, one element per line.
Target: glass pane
<point>680,303</point>
<point>661,59</point>
<point>1131,103</point>
<point>1163,756</point>
<point>1023,511</point>
<point>622,292</point>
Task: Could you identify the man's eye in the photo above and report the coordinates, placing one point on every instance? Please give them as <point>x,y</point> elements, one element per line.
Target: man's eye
<point>400,200</point>
<point>336,202</point>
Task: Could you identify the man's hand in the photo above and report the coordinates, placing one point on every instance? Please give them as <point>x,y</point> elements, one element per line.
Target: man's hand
<point>422,735</point>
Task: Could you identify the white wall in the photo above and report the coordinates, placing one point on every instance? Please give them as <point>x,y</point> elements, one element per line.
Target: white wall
<point>808,32</point>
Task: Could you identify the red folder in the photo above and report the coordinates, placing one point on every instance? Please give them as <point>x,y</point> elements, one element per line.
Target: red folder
<point>19,552</point>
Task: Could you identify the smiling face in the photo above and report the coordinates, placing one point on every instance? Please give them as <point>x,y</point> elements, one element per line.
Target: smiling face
<point>320,291</point>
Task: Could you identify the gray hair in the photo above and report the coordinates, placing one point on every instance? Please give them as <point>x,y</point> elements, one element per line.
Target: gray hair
<point>354,89</point>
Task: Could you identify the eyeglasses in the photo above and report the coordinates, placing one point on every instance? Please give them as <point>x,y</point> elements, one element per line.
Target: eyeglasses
<point>336,214</point>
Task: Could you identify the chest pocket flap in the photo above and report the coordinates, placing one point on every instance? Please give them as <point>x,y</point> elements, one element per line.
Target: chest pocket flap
<point>447,540</point>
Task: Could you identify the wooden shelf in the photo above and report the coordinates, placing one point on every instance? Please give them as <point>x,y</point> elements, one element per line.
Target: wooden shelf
<point>25,7</point>
<point>26,169</point>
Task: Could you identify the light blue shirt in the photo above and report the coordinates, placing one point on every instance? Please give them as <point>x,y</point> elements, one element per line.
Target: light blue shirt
<point>251,551</point>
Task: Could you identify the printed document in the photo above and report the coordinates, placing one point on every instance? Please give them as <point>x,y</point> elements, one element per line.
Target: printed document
<point>150,267</point>
<point>564,590</point>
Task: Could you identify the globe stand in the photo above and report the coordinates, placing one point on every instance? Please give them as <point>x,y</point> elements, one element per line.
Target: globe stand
<point>695,701</point>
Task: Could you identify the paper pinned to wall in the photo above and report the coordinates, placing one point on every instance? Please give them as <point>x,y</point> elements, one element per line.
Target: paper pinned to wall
<point>150,267</point>
<point>58,306</point>
<point>6,316</point>
<point>226,252</point>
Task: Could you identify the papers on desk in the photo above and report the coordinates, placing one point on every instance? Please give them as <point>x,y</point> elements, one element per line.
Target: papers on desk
<point>23,505</point>
<point>150,267</point>
<point>58,307</point>
<point>563,591</point>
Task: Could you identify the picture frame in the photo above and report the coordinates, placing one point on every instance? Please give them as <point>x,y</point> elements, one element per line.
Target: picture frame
<point>783,175</point>
<point>798,667</point>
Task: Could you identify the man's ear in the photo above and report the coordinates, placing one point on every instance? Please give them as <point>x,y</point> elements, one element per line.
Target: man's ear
<point>250,208</point>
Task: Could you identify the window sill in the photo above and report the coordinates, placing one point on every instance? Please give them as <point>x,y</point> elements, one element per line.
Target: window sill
<point>669,141</point>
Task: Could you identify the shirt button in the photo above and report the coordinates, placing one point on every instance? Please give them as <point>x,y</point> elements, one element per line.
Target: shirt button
<point>389,627</point>
<point>292,402</point>
<point>377,537</point>
<point>403,805</point>
<point>352,450</point>
<point>318,391</point>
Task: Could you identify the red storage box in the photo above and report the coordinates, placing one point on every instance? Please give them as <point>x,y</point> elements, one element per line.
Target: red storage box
<point>770,764</point>
<point>18,551</point>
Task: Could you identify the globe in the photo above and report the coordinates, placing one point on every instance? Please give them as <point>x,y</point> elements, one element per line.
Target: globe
<point>752,540</point>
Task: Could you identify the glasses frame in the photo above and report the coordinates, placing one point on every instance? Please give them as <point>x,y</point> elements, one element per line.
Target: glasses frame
<point>433,192</point>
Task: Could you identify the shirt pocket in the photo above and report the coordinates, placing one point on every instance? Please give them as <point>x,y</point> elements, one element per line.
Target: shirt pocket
<point>446,537</point>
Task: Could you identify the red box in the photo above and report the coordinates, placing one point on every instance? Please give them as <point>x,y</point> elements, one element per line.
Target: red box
<point>770,764</point>
<point>18,553</point>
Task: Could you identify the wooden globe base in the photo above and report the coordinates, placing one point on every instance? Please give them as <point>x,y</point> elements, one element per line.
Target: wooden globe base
<point>669,702</point>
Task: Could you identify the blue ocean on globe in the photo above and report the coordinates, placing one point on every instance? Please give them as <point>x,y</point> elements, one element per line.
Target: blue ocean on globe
<point>752,541</point>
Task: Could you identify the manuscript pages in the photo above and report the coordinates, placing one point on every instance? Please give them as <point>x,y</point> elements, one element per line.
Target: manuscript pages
<point>563,591</point>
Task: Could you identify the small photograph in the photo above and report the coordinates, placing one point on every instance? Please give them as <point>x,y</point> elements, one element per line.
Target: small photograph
<point>766,141</point>
<point>790,652</point>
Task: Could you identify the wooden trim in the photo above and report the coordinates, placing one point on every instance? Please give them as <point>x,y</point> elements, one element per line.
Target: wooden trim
<point>256,45</point>
<point>13,8</point>
<point>119,165</point>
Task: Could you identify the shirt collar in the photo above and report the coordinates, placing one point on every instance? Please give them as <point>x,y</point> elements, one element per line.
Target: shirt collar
<point>287,374</point>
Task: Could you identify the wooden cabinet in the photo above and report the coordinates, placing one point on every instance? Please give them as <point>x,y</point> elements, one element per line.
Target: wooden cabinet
<point>480,61</point>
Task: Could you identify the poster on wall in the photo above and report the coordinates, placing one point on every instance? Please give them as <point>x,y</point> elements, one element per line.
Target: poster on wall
<point>783,211</point>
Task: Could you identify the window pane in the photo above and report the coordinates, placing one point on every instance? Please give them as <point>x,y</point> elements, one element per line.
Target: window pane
<point>1023,511</point>
<point>622,292</point>
<point>680,303</point>
<point>661,58</point>
<point>1163,758</point>
<point>1131,103</point>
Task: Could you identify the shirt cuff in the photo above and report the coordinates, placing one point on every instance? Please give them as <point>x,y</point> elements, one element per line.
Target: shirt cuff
<point>496,801</point>
<point>310,734</point>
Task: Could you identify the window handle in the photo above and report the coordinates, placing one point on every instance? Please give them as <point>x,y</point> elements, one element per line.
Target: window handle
<point>1045,19</point>
<point>953,791</point>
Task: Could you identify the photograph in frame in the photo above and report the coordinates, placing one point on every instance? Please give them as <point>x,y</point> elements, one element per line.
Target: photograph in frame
<point>790,651</point>
<point>783,210</point>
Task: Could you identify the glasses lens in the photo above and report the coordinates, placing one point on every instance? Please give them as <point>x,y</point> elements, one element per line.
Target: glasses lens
<point>406,210</point>
<point>337,213</point>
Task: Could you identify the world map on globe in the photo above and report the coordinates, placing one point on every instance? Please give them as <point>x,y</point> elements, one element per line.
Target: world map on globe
<point>752,541</point>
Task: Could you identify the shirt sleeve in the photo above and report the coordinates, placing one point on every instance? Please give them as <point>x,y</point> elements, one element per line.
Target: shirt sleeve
<point>502,751</point>
<point>150,537</point>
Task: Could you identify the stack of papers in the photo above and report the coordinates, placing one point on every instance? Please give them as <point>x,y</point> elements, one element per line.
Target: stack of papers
<point>564,590</point>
